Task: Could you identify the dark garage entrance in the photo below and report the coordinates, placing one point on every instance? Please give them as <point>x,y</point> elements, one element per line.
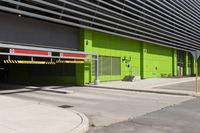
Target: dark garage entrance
<point>49,70</point>
<point>38,74</point>
<point>35,65</point>
<point>26,31</point>
<point>33,50</point>
<point>3,72</point>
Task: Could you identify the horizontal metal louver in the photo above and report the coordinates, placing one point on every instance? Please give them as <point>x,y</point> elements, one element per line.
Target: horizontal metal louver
<point>171,23</point>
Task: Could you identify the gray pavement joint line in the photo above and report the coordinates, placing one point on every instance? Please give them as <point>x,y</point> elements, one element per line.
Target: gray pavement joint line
<point>78,124</point>
<point>77,128</point>
<point>84,119</point>
<point>55,91</point>
<point>12,128</point>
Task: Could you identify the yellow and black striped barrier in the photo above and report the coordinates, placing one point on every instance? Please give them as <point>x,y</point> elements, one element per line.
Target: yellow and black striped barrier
<point>72,61</point>
<point>50,63</point>
<point>10,61</point>
<point>28,62</point>
<point>44,62</point>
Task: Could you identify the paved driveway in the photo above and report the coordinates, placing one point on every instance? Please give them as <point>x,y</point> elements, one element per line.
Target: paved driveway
<point>102,106</point>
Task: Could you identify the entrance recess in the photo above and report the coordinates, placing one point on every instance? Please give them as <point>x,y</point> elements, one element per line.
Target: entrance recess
<point>190,59</point>
<point>180,61</point>
<point>20,54</point>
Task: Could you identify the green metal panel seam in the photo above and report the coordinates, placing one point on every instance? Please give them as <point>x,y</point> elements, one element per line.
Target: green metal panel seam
<point>185,64</point>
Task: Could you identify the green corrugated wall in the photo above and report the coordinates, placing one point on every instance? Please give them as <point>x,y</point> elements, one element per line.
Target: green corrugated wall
<point>147,60</point>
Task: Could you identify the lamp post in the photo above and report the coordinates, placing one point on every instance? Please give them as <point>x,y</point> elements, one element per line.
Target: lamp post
<point>196,55</point>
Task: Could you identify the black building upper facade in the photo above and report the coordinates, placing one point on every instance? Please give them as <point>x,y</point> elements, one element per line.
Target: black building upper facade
<point>172,23</point>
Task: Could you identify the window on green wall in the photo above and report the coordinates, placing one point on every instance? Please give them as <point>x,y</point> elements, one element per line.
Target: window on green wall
<point>116,66</point>
<point>108,65</point>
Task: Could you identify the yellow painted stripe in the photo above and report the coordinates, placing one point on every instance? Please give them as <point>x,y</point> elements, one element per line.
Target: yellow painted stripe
<point>44,62</point>
<point>67,61</point>
<point>28,62</point>
<point>50,63</point>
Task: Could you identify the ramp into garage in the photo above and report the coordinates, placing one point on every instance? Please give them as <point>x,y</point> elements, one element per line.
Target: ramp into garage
<point>31,65</point>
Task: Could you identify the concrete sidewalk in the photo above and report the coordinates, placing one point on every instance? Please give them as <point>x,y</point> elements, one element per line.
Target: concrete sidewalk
<point>19,116</point>
<point>151,85</point>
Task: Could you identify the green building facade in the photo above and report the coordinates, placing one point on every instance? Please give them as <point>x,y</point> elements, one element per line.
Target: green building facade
<point>115,30</point>
<point>120,57</point>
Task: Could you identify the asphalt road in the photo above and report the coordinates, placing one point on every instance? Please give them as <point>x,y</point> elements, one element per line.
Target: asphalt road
<point>183,118</point>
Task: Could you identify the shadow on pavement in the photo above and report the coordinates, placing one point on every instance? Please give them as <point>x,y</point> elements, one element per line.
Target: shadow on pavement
<point>6,89</point>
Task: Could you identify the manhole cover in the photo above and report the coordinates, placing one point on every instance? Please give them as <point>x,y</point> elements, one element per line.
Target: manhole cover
<point>65,106</point>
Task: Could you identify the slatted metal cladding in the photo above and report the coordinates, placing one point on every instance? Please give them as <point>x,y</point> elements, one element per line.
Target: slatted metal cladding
<point>172,23</point>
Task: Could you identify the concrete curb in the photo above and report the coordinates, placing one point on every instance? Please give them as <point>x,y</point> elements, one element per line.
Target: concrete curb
<point>83,126</point>
<point>180,93</point>
<point>150,89</point>
<point>59,91</point>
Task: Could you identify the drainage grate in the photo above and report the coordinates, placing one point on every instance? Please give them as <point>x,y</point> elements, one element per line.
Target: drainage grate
<point>65,106</point>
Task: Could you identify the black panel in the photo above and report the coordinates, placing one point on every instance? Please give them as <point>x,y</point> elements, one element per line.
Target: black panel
<point>52,70</point>
<point>36,32</point>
